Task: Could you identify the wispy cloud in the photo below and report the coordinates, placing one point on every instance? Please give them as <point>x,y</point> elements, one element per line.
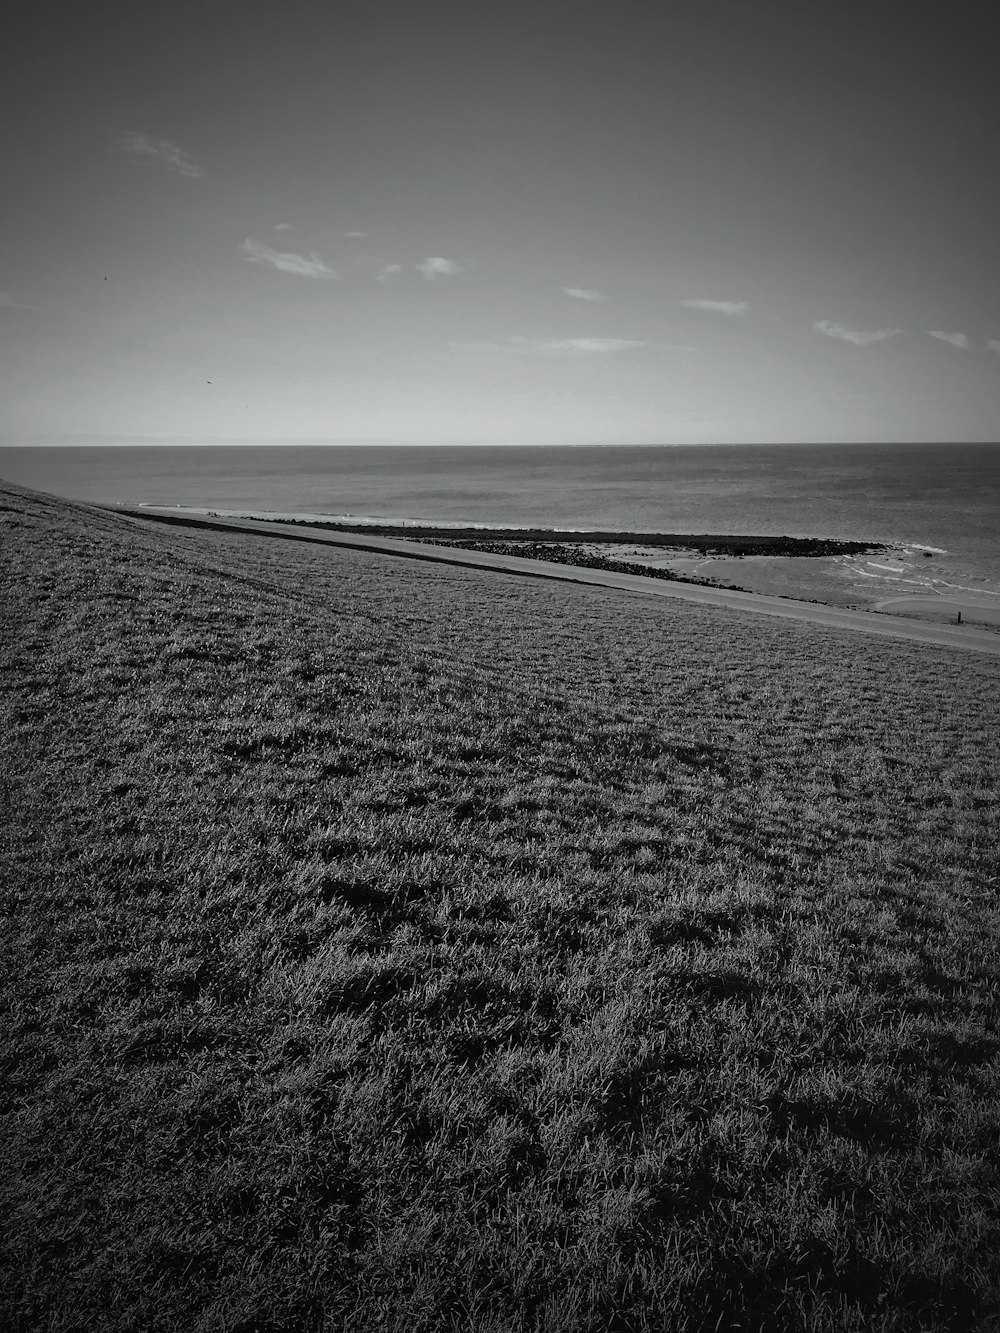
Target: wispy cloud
<point>389,272</point>
<point>303,266</point>
<point>7,302</point>
<point>959,340</point>
<point>439,268</point>
<point>356,235</point>
<point>993,344</point>
<point>282,226</point>
<point>583,294</point>
<point>576,346</point>
<point>717,307</point>
<point>557,347</point>
<point>160,150</point>
<point>860,337</point>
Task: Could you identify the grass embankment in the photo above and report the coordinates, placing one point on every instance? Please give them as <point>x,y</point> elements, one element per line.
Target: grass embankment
<point>404,947</point>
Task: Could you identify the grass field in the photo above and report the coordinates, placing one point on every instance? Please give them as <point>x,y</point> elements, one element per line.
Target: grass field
<point>403,947</point>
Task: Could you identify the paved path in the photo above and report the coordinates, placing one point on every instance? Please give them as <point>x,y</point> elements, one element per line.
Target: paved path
<point>815,613</point>
<point>976,610</point>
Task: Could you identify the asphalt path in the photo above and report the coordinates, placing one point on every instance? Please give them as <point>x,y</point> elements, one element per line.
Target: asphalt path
<point>815,613</point>
<point>944,604</point>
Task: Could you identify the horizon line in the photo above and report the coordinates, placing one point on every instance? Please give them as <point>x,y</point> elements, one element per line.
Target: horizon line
<point>95,441</point>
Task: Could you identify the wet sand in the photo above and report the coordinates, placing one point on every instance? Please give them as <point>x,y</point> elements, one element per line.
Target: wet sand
<point>886,626</point>
<point>869,581</point>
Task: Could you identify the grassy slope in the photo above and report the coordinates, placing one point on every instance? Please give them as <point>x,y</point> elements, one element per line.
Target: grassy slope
<point>394,946</point>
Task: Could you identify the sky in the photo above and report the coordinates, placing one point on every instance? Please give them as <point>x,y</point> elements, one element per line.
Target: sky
<point>693,222</point>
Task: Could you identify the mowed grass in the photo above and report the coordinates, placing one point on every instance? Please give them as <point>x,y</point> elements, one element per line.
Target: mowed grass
<point>400,947</point>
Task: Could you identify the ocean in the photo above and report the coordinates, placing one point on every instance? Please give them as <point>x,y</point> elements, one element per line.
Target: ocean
<point>942,499</point>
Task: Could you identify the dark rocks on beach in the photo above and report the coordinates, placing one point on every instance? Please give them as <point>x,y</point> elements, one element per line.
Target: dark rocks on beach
<point>568,554</point>
<point>504,540</point>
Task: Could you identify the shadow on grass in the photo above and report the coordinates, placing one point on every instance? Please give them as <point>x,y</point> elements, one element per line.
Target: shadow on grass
<point>892,1123</point>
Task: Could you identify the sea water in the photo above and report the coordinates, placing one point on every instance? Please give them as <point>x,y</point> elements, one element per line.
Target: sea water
<point>942,499</point>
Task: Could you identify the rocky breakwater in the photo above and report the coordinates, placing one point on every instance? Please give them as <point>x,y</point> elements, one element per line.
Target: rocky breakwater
<point>581,551</point>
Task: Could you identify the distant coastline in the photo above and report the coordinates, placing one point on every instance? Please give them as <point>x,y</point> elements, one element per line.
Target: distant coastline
<point>474,536</point>
<point>679,566</point>
<point>923,519</point>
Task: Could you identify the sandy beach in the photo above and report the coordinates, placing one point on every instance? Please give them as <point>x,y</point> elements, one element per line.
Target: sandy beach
<point>897,580</point>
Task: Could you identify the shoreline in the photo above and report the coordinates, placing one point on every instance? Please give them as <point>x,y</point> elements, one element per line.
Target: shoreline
<point>452,531</point>
<point>709,543</point>
<point>875,574</point>
<point>819,613</point>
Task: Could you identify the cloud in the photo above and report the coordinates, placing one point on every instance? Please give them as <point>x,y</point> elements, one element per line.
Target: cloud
<point>576,346</point>
<point>430,268</point>
<point>717,307</point>
<point>959,340</point>
<point>860,337</point>
<point>161,150</point>
<point>993,345</point>
<point>7,302</point>
<point>438,268</point>
<point>583,294</point>
<point>303,266</point>
<point>357,235</point>
<point>559,347</point>
<point>282,226</point>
